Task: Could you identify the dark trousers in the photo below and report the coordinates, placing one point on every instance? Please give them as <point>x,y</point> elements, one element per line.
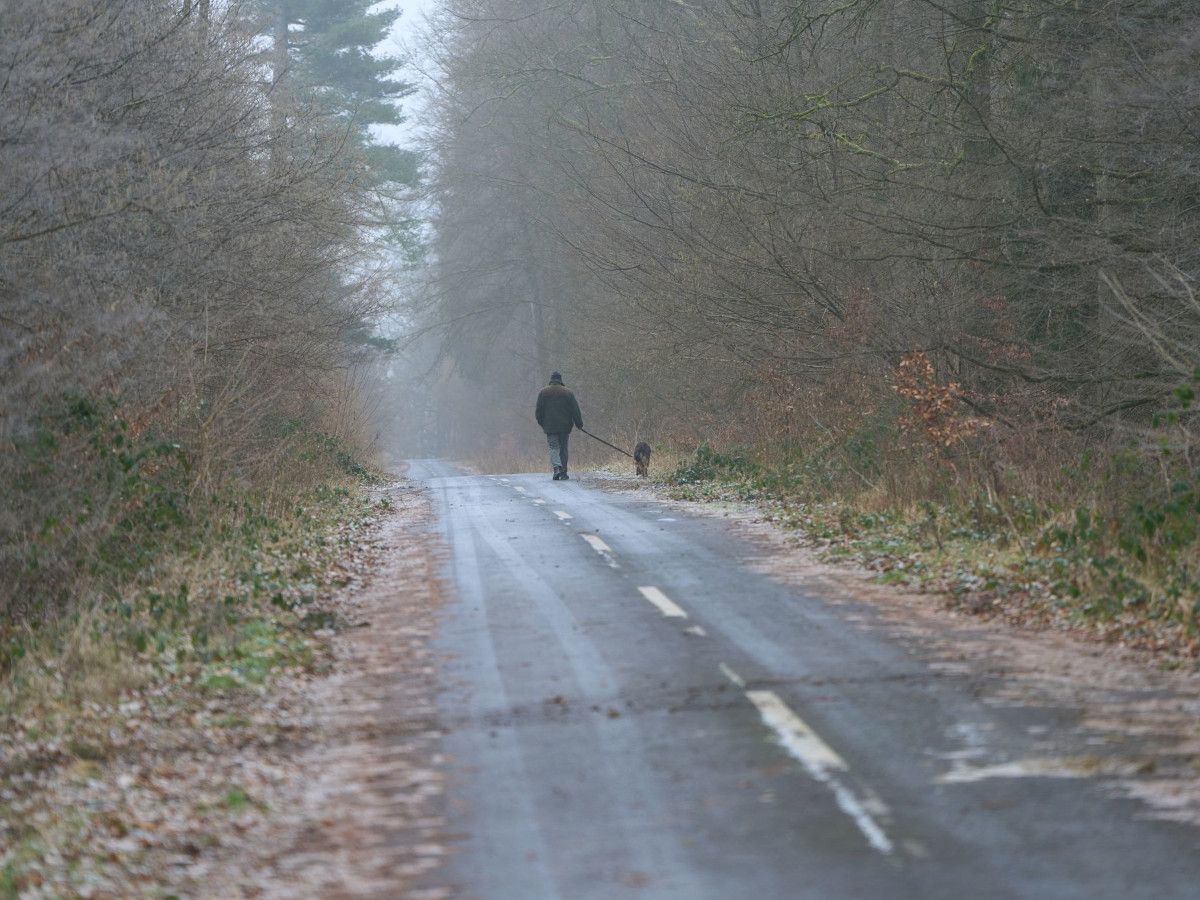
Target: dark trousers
<point>558,449</point>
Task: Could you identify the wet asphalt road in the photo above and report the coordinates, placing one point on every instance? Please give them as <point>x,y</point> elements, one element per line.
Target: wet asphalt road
<point>632,711</point>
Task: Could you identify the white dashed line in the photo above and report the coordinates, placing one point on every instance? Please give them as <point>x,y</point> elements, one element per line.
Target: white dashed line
<point>821,761</point>
<point>803,743</point>
<point>504,481</point>
<point>539,501</point>
<point>696,630</point>
<point>565,516</point>
<point>602,548</point>
<point>664,604</point>
<point>518,488</point>
<point>598,545</point>
<point>732,675</point>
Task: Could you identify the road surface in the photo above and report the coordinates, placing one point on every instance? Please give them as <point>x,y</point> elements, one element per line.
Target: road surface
<point>633,711</point>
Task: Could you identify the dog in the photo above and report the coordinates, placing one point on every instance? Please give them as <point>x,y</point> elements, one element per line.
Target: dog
<point>641,458</point>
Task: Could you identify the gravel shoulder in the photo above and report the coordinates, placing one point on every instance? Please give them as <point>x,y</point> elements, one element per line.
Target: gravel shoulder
<point>360,814</point>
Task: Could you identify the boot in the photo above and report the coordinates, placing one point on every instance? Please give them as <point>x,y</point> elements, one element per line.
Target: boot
<point>558,473</point>
<point>564,476</point>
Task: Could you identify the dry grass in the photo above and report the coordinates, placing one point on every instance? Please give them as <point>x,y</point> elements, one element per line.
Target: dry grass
<point>70,663</point>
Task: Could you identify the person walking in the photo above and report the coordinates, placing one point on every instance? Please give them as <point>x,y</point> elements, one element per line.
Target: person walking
<point>557,410</point>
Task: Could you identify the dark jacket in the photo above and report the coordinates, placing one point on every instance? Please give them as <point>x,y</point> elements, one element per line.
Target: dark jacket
<point>557,409</point>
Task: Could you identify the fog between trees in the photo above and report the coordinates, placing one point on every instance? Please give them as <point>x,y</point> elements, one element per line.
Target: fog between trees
<point>967,227</point>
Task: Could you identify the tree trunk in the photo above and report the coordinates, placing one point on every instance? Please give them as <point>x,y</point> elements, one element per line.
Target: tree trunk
<point>976,49</point>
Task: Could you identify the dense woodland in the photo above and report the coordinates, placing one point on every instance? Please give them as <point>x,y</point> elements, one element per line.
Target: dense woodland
<point>737,207</point>
<point>901,253</point>
<point>196,241</point>
<point>920,255</point>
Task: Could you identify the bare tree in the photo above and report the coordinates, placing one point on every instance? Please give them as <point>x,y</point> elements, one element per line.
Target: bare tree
<point>170,279</point>
<point>734,193</point>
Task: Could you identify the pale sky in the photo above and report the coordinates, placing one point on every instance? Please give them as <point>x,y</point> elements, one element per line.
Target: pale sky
<point>400,44</point>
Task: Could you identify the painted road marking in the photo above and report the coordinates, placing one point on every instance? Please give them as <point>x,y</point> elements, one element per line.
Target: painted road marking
<point>598,545</point>
<point>801,741</point>
<point>565,516</point>
<point>821,761</point>
<point>732,675</point>
<point>504,481</point>
<point>602,548</point>
<point>1082,767</point>
<point>664,604</point>
<point>518,488</point>
<point>539,501</point>
<point>696,630</point>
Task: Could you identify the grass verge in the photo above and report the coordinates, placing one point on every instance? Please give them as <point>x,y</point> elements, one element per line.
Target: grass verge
<point>1124,576</point>
<point>123,722</point>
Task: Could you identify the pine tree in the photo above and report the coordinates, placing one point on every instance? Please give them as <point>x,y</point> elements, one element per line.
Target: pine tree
<point>324,46</point>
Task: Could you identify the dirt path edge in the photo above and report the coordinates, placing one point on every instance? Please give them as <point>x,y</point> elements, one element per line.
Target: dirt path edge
<point>360,813</point>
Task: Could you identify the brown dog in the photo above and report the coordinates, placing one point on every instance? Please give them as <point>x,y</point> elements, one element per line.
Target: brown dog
<point>641,458</point>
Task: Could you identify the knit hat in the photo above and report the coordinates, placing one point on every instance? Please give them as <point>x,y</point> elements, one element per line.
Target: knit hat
<point>555,376</point>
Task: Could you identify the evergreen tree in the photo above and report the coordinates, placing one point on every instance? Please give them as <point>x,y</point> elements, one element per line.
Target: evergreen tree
<point>324,46</point>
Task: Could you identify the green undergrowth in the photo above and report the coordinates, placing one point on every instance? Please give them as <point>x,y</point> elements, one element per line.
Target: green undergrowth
<point>145,600</point>
<point>1120,560</point>
<point>226,621</point>
<point>133,572</point>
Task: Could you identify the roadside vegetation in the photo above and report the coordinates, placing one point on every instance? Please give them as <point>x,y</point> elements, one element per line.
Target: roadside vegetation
<point>134,732</point>
<point>195,250</point>
<point>197,240</point>
<point>1084,553</point>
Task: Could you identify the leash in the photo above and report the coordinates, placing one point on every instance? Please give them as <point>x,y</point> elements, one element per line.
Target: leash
<point>603,441</point>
